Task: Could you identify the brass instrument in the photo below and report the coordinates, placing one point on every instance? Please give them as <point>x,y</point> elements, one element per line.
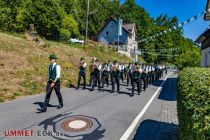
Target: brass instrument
<point>116,67</point>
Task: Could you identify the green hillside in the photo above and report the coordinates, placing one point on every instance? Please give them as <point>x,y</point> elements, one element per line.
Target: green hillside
<point>24,63</point>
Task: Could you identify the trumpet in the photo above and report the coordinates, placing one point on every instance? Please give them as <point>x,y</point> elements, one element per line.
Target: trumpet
<point>116,67</point>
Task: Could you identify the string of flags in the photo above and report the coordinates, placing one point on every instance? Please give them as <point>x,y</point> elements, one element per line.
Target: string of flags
<point>159,54</point>
<point>168,49</point>
<point>175,27</point>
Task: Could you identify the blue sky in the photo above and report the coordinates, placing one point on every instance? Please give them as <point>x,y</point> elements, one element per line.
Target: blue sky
<point>183,9</point>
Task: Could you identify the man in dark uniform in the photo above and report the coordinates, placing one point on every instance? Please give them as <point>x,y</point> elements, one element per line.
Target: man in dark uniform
<point>96,75</point>
<point>130,69</point>
<point>53,83</point>
<point>82,72</point>
<point>144,76</point>
<point>115,77</point>
<point>105,75</point>
<point>91,68</point>
<point>136,78</point>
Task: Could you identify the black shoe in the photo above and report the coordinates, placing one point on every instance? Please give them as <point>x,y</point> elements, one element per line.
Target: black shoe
<point>60,106</point>
<point>42,109</point>
<point>131,95</point>
<point>112,91</point>
<point>91,89</point>
<point>84,87</point>
<point>77,87</point>
<point>119,92</point>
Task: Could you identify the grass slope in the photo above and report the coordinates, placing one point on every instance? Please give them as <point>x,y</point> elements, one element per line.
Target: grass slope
<point>24,63</point>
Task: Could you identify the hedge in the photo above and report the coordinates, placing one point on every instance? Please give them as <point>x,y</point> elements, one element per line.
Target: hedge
<point>193,101</point>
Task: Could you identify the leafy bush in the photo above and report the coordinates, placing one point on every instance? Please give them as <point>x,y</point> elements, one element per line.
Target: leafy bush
<point>194,104</point>
<point>64,35</point>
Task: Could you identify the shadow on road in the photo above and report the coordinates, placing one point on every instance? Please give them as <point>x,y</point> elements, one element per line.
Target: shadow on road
<point>155,130</point>
<point>55,122</point>
<point>168,91</point>
<point>157,83</point>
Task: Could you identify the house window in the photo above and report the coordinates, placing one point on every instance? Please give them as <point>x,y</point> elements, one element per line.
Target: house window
<point>107,33</point>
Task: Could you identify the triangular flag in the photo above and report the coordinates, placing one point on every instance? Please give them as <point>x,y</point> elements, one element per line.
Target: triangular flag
<point>192,18</point>
<point>195,17</point>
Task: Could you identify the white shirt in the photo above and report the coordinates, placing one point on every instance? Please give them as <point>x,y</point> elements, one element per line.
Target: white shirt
<point>58,69</point>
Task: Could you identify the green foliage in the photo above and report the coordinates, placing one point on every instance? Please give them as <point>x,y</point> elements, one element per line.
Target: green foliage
<point>64,34</point>
<point>189,55</point>
<point>70,24</point>
<point>194,104</point>
<point>64,19</point>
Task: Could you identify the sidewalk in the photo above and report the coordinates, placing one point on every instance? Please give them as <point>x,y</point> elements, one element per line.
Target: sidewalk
<point>160,121</point>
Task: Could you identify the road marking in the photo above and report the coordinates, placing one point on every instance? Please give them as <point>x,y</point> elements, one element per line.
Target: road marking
<point>136,120</point>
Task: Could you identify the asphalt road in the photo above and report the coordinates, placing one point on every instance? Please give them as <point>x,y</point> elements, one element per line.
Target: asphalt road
<point>102,115</point>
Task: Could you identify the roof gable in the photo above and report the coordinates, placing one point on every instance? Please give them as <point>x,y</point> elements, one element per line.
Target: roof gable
<point>127,27</point>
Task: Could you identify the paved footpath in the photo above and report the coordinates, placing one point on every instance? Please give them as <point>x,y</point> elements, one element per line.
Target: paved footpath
<point>95,115</point>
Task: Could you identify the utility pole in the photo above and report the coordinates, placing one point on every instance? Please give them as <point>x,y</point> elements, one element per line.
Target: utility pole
<point>87,22</point>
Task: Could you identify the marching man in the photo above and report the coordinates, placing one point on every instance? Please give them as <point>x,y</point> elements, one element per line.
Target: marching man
<point>136,78</point>
<point>96,75</point>
<point>116,77</point>
<point>82,72</point>
<point>53,83</point>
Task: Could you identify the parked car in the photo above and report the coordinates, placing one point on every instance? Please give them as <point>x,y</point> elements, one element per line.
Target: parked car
<point>75,40</point>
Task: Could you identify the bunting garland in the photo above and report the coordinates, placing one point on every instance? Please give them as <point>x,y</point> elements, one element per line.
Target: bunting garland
<point>175,27</point>
<point>159,54</point>
<point>168,49</point>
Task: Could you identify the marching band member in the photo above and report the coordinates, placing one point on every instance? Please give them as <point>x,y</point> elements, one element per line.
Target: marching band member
<point>130,71</point>
<point>53,83</point>
<point>121,71</point>
<point>144,76</point>
<point>96,75</point>
<point>105,75</point>
<point>82,72</point>
<point>136,78</point>
<point>91,68</point>
<point>115,77</point>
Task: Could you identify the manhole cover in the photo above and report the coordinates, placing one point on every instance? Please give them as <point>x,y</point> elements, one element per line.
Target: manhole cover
<point>77,124</point>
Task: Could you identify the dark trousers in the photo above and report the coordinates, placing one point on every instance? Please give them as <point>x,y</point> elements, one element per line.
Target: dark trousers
<point>105,79</point>
<point>49,91</point>
<point>121,76</point>
<point>81,75</point>
<point>150,78</point>
<point>166,71</point>
<point>144,79</point>
<point>91,79</point>
<point>153,77</point>
<point>138,83</point>
<point>115,80</point>
<point>96,78</point>
<point>125,74</point>
<point>129,75</point>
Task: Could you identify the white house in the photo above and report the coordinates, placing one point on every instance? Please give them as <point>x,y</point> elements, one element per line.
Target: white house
<point>204,40</point>
<point>126,42</point>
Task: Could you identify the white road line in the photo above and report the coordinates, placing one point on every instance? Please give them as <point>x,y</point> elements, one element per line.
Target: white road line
<point>136,120</point>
